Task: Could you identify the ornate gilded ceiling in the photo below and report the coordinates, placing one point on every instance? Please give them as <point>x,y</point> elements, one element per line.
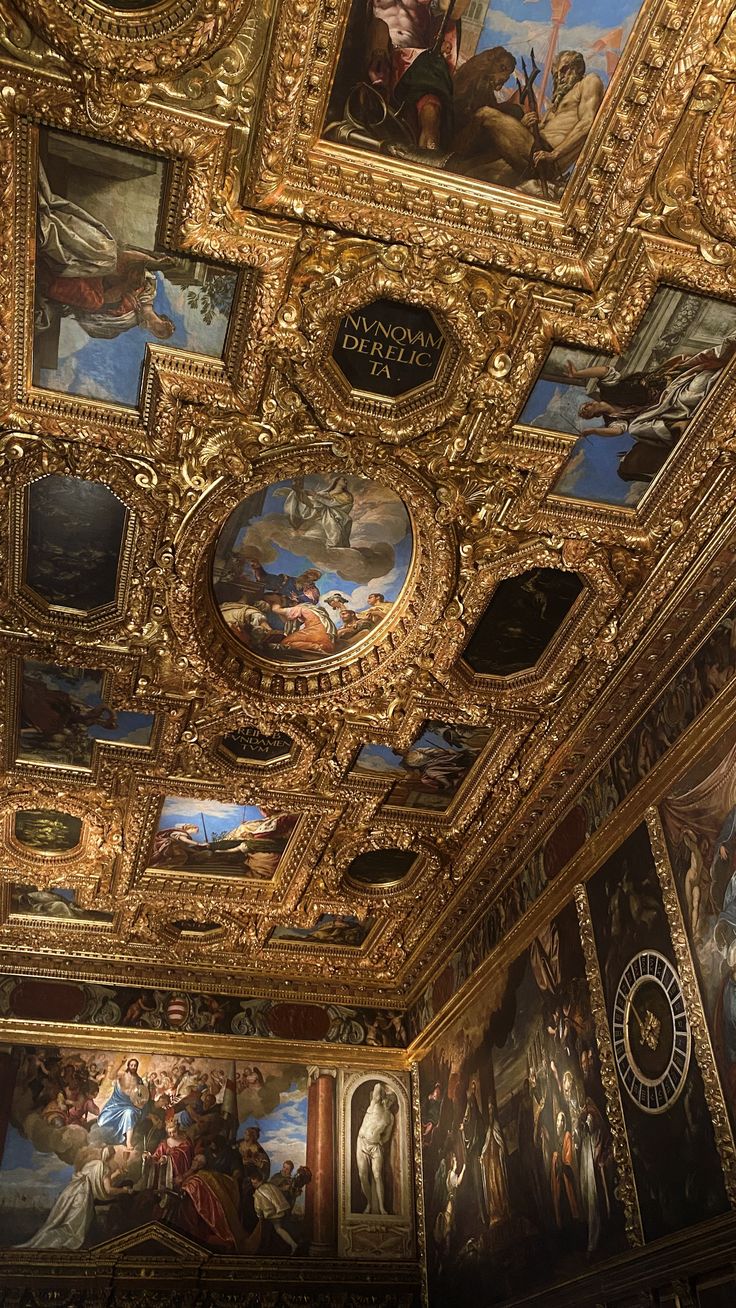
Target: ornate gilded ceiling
<point>367,455</point>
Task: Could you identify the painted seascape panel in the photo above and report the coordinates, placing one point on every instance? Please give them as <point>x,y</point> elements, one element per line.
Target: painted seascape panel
<point>431,771</point>
<point>489,89</point>
<point>209,837</point>
<point>699,820</point>
<point>329,929</point>
<point>630,412</point>
<point>63,713</point>
<point>103,286</point>
<point>307,568</point>
<point>676,1165</point>
<point>102,1142</point>
<point>74,538</point>
<point>52,902</point>
<point>519,1176</point>
<point>46,830</point>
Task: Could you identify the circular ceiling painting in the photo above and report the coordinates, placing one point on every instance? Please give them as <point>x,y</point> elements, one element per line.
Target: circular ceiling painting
<point>307,568</point>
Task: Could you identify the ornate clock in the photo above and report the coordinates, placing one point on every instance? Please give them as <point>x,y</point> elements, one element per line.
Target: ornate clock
<point>651,1033</point>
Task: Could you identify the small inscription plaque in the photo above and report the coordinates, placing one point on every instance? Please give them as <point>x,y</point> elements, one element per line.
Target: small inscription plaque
<point>388,348</point>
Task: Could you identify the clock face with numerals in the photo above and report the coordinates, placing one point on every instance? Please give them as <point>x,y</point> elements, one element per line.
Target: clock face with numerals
<point>651,1033</point>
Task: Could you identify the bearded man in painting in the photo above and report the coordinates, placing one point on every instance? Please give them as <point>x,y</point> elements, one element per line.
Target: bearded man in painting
<point>496,146</point>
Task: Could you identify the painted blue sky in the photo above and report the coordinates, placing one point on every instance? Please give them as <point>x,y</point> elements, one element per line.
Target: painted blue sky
<point>520,25</point>
<point>29,1178</point>
<point>368,523</point>
<point>111,370</point>
<point>284,1130</point>
<point>383,760</point>
<point>85,684</point>
<point>216,817</point>
<point>591,472</point>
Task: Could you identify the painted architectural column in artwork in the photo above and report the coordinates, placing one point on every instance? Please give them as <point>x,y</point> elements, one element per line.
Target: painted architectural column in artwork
<point>320,1196</point>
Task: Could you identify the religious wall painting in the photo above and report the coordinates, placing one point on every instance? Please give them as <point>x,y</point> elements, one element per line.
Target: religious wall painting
<point>104,1142</point>
<point>75,532</point>
<point>485,90</point>
<point>53,903</point>
<point>429,774</point>
<point>519,1174</point>
<point>312,566</point>
<point>64,712</point>
<point>630,412</point>
<point>249,747</point>
<point>677,1170</point>
<point>520,620</point>
<point>381,867</point>
<point>332,929</point>
<point>212,838</point>
<point>46,830</point>
<point>104,286</point>
<point>699,821</point>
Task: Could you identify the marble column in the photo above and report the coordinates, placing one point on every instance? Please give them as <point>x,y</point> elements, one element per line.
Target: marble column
<point>321,1193</point>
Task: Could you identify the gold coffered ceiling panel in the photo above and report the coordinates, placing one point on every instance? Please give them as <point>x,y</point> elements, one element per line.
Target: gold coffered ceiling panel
<point>330,559</point>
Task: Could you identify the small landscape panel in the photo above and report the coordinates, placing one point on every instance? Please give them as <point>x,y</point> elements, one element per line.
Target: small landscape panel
<point>523,615</point>
<point>630,412</point>
<point>55,903</point>
<point>63,713</point>
<point>494,91</point>
<point>431,771</point>
<point>310,566</point>
<point>329,929</point>
<point>75,534</point>
<point>388,348</point>
<point>212,838</point>
<point>103,286</point>
<point>46,830</point>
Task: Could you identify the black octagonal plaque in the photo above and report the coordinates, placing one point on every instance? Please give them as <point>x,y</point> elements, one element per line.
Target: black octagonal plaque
<point>388,348</point>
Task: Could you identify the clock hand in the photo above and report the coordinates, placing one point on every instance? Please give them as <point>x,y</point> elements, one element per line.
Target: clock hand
<point>648,1028</point>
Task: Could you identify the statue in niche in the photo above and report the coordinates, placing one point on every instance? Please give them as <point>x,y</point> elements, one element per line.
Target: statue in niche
<point>373,1145</point>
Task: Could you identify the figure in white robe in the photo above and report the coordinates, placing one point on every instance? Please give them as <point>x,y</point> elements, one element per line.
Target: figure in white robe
<point>70,1219</point>
<point>321,515</point>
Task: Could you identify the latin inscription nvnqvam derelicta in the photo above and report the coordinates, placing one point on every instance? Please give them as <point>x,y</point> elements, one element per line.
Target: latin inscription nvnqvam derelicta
<point>388,348</point>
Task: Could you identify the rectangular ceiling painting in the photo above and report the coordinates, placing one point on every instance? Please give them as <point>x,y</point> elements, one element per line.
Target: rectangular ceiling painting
<point>431,771</point>
<point>630,412</point>
<point>63,713</point>
<point>500,91</point>
<point>103,285</point>
<point>208,837</point>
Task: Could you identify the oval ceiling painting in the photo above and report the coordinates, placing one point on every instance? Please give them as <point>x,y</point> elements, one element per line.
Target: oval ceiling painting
<point>307,568</point>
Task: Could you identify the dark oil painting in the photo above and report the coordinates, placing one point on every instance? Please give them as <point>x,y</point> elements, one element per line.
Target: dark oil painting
<point>629,413</point>
<point>53,902</point>
<point>309,567</point>
<point>381,867</point>
<point>699,820</point>
<point>103,1142</point>
<point>329,929</point>
<point>75,533</point>
<point>493,90</point>
<point>209,836</point>
<point>104,288</point>
<point>519,1173</point>
<point>678,1176</point>
<point>47,830</point>
<point>431,771</point>
<point>521,618</point>
<point>63,713</point>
